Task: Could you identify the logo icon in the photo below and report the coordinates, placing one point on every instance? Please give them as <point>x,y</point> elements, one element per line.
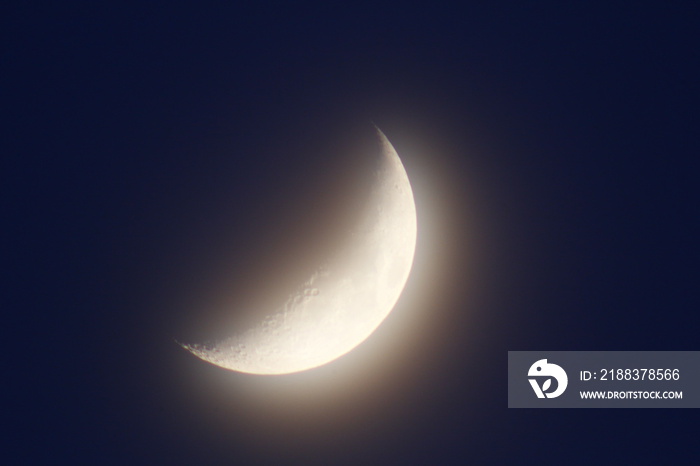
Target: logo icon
<point>542,369</point>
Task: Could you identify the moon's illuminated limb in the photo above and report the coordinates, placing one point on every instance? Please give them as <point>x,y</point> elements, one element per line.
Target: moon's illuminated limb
<point>342,303</point>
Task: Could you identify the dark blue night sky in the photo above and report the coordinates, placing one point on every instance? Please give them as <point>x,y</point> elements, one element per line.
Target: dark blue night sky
<point>155,154</point>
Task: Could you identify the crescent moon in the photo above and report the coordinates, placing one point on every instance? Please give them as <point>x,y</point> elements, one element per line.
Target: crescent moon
<point>343,302</point>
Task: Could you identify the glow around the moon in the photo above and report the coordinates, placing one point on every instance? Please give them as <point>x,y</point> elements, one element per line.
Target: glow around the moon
<point>344,301</point>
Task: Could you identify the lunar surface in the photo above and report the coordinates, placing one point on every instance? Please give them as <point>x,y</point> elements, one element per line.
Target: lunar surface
<point>345,300</point>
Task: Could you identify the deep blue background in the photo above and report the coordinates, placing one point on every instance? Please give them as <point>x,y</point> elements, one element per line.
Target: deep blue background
<point>126,124</point>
